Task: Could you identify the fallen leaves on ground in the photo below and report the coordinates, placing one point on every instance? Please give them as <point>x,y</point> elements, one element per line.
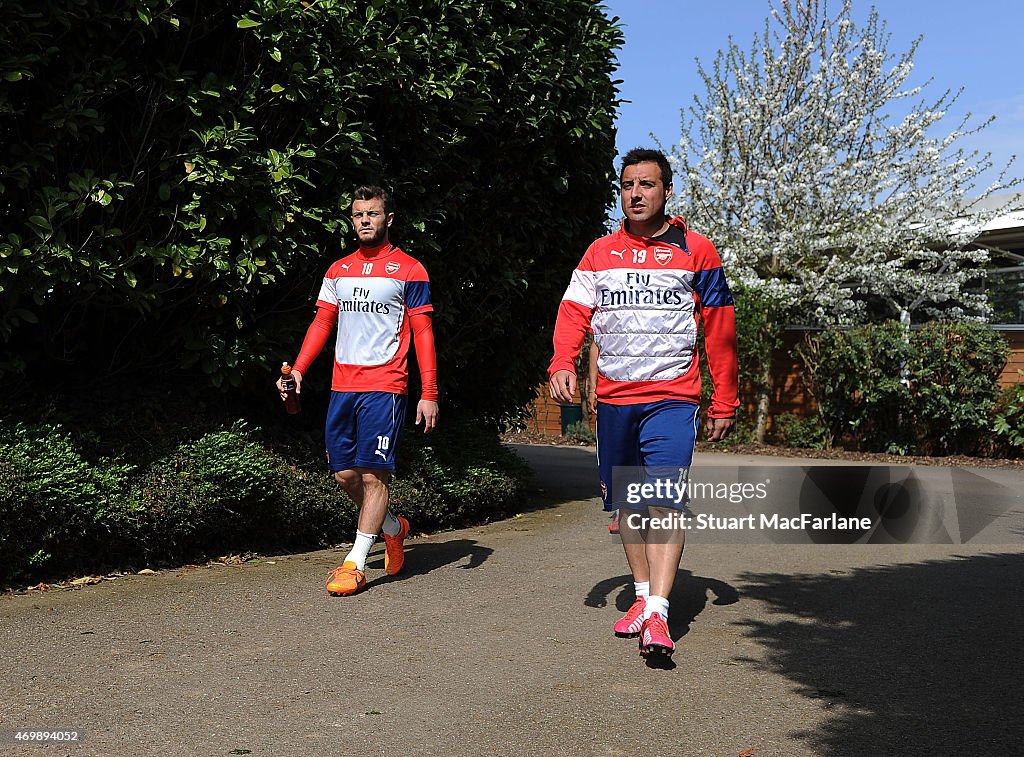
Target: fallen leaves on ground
<point>87,581</point>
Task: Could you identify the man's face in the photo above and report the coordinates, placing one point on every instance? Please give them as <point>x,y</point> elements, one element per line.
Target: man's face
<point>643,194</point>
<point>370,221</point>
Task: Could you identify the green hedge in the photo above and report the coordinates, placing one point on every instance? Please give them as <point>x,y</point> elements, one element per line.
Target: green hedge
<point>227,490</point>
<point>456,475</point>
<point>933,391</point>
<point>55,505</point>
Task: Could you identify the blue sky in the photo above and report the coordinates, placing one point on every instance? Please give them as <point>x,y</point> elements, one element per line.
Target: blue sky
<point>975,45</point>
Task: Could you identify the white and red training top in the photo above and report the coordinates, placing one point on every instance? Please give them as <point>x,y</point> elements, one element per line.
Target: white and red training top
<point>380,300</point>
<point>642,297</point>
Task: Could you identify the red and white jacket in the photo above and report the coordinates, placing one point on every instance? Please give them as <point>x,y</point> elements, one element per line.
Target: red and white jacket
<point>642,297</point>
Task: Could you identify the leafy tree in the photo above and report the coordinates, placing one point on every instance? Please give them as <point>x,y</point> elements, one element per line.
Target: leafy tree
<point>175,176</point>
<point>825,178</point>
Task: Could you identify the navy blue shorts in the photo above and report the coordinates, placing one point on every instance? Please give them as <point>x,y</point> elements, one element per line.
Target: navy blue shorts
<point>363,428</point>
<point>642,443</point>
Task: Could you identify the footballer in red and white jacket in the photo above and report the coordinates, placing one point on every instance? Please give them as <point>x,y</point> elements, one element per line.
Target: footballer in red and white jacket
<point>643,291</point>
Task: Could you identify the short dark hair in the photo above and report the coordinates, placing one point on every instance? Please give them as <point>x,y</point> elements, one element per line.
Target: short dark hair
<point>373,192</point>
<point>646,155</point>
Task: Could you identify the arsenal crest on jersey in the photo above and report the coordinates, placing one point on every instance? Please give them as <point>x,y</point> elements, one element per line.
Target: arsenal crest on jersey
<point>392,267</point>
<point>663,255</point>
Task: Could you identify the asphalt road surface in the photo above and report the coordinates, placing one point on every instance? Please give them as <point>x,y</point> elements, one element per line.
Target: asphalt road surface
<point>497,640</point>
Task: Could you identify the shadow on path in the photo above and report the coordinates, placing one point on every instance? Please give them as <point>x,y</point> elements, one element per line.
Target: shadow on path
<point>688,600</point>
<point>914,659</point>
<point>422,556</point>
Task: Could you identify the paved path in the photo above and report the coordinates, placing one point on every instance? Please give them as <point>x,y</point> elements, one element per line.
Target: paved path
<point>496,640</point>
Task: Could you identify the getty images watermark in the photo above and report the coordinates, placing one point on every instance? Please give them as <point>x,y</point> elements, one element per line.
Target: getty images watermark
<point>823,504</point>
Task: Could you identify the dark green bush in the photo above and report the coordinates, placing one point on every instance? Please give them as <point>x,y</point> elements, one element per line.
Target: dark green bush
<point>955,381</point>
<point>1009,419</point>
<point>456,475</point>
<point>857,378</point>
<point>932,391</point>
<point>580,433</point>
<point>226,491</point>
<point>217,493</point>
<point>57,509</point>
<point>757,336</point>
<point>756,341</point>
<point>175,177</point>
<point>742,434</point>
<point>792,430</point>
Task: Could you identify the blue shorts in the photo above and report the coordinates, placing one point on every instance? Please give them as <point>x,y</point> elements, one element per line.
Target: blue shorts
<point>363,428</point>
<point>642,443</point>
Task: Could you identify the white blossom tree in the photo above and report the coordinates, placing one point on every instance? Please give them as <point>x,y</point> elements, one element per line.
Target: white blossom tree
<point>826,179</point>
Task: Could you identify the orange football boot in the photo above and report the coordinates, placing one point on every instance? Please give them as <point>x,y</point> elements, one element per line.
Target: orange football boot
<point>347,579</point>
<point>394,551</point>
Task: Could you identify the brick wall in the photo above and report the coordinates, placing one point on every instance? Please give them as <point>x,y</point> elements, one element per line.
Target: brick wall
<point>789,395</point>
<point>546,415</point>
<point>1015,362</point>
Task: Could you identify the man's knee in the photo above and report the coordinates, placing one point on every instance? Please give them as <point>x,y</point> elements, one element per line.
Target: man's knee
<point>671,525</point>
<point>374,478</point>
<point>349,479</point>
<point>633,525</point>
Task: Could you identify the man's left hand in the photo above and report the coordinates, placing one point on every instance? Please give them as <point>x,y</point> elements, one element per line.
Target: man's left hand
<point>719,428</point>
<point>427,411</point>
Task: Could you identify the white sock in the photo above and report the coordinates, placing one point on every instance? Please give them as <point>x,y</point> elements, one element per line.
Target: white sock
<point>360,549</point>
<point>656,604</point>
<point>642,588</point>
<point>391,525</point>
